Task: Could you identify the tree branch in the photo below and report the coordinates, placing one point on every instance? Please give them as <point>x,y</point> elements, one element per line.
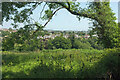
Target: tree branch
<point>36,5</point>
<point>42,10</point>
<point>68,5</point>
<point>47,21</point>
<point>91,16</point>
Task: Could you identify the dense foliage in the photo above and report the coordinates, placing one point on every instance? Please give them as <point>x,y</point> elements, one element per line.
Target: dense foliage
<point>70,63</point>
<point>81,45</point>
<point>60,42</point>
<point>22,41</point>
<point>99,13</point>
<point>95,43</point>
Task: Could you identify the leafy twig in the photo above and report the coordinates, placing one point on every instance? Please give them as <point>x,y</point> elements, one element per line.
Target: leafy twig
<point>42,10</point>
<point>47,21</point>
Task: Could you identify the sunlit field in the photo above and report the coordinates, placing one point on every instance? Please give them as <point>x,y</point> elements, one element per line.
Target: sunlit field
<point>71,63</point>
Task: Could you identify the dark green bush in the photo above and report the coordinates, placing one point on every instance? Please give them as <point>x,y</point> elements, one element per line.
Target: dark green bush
<point>59,42</point>
<point>108,66</point>
<point>80,45</point>
<point>7,44</point>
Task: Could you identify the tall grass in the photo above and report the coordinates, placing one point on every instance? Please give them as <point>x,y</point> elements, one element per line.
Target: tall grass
<point>71,63</point>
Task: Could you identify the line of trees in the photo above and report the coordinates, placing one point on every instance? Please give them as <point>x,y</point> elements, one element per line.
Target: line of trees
<point>22,41</point>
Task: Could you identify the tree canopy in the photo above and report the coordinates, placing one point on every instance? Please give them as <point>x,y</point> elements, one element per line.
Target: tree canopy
<point>99,13</point>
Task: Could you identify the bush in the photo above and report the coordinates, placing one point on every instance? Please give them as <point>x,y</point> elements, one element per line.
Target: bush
<point>7,44</point>
<point>50,45</point>
<point>17,47</point>
<point>95,44</point>
<point>108,66</point>
<point>33,45</point>
<point>79,45</point>
<point>59,42</point>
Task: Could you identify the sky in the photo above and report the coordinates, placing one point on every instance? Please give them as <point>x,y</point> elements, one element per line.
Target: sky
<point>64,20</point>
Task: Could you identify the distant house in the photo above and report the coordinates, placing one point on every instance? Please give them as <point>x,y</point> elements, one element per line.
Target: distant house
<point>95,35</point>
<point>86,36</point>
<point>76,36</point>
<point>66,36</point>
<point>14,30</point>
<point>1,37</point>
<point>57,35</point>
<point>6,36</point>
<point>52,36</point>
<point>39,37</point>
<point>4,29</point>
<point>46,36</point>
<point>9,30</point>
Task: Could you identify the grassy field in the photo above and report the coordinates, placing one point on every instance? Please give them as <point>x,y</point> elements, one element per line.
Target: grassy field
<point>71,63</point>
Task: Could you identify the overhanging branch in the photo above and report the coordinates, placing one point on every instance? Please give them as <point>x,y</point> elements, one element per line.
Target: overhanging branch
<point>91,16</point>
<point>42,10</point>
<point>47,21</point>
<point>68,5</point>
<point>36,5</point>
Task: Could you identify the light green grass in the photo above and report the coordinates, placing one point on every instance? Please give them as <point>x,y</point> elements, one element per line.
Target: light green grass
<point>71,63</point>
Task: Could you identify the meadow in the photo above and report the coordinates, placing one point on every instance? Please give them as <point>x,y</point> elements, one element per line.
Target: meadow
<point>61,63</point>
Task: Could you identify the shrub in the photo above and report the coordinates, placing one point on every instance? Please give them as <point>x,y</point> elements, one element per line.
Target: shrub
<point>50,45</point>
<point>79,45</point>
<point>7,44</point>
<point>59,42</point>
